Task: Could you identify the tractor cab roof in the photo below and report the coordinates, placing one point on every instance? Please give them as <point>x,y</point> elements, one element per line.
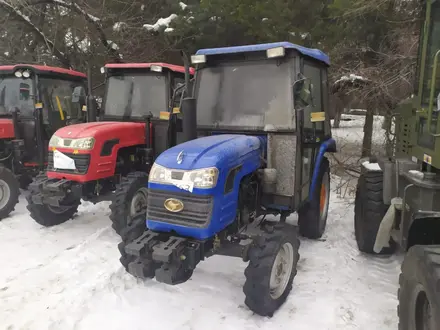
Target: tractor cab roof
<point>40,69</point>
<point>157,66</point>
<point>313,53</point>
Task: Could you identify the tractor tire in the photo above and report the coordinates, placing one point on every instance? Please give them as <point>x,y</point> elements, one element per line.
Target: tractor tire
<point>47,215</point>
<point>9,192</point>
<point>419,292</point>
<point>312,217</point>
<point>129,201</point>
<point>369,210</point>
<point>264,294</point>
<point>135,229</point>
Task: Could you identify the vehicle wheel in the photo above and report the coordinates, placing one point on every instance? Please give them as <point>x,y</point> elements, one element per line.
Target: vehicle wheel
<point>130,201</point>
<point>273,258</point>
<point>312,217</point>
<point>369,210</point>
<point>9,192</point>
<point>47,215</point>
<point>419,292</point>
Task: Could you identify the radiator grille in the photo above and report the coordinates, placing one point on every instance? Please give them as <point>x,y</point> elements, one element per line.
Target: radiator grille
<point>196,212</point>
<point>82,163</point>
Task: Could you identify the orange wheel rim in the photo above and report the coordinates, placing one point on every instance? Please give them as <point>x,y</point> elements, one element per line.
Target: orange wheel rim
<point>322,198</point>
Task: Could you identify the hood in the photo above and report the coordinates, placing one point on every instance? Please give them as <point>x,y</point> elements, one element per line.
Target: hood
<point>209,151</point>
<point>6,129</point>
<point>95,129</point>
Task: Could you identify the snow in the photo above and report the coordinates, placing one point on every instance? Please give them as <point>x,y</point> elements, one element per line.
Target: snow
<point>82,44</point>
<point>6,53</point>
<point>183,5</point>
<point>352,77</point>
<point>264,19</point>
<point>161,23</point>
<point>118,26</point>
<point>167,30</point>
<point>112,45</point>
<point>351,130</point>
<point>371,166</point>
<point>69,277</point>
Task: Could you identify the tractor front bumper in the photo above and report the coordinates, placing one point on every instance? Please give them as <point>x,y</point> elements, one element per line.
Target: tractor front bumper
<point>56,192</point>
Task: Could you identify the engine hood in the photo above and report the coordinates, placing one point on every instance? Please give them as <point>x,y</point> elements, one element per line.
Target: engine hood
<point>211,151</point>
<point>6,129</point>
<point>96,129</point>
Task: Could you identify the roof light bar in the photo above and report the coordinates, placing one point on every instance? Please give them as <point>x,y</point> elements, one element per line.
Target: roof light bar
<point>275,52</point>
<point>156,68</point>
<point>198,59</point>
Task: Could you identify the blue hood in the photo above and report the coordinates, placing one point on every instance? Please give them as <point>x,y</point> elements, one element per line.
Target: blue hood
<point>209,151</point>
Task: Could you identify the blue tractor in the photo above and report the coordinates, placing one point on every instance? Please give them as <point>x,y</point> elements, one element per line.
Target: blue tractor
<point>257,130</point>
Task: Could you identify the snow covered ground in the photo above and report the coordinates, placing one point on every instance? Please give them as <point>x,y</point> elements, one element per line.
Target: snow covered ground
<point>69,277</point>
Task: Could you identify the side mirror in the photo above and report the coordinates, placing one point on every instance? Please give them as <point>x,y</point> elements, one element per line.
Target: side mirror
<point>78,93</point>
<point>302,91</point>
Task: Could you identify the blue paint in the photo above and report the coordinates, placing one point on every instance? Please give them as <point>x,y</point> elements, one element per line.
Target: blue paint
<point>329,144</point>
<point>223,152</point>
<point>314,53</point>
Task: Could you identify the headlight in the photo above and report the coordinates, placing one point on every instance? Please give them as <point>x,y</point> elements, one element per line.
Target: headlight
<point>83,144</point>
<point>55,141</point>
<point>201,178</point>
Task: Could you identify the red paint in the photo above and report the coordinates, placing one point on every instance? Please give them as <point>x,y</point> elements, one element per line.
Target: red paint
<point>32,164</point>
<point>44,68</point>
<point>128,133</point>
<point>172,67</point>
<point>6,129</point>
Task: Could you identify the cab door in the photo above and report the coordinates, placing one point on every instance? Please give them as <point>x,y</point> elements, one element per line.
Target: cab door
<point>315,124</point>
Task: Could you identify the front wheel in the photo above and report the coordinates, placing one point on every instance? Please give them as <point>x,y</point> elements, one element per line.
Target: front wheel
<point>129,202</point>
<point>9,192</point>
<point>419,293</point>
<point>273,258</point>
<point>312,217</point>
<point>47,215</point>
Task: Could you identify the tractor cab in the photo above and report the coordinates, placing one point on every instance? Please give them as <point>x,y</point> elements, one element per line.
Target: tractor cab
<point>35,101</point>
<point>139,91</point>
<point>261,131</point>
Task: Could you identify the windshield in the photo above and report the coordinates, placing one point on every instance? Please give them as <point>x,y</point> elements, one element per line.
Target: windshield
<point>58,93</point>
<point>16,92</point>
<point>136,95</point>
<point>245,95</point>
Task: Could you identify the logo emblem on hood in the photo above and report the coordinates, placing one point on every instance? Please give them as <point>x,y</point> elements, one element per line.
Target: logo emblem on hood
<point>180,157</point>
<point>173,205</point>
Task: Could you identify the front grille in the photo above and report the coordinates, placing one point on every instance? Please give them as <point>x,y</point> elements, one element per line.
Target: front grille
<point>82,162</point>
<point>196,211</point>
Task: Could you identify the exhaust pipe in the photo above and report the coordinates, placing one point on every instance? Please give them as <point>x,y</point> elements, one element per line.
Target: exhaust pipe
<point>91,110</point>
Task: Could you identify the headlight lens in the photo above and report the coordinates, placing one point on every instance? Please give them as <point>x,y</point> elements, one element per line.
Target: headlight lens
<point>55,141</point>
<point>201,178</point>
<point>82,144</point>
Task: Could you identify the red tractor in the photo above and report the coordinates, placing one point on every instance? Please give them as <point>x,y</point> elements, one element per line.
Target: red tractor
<point>35,101</point>
<point>110,159</point>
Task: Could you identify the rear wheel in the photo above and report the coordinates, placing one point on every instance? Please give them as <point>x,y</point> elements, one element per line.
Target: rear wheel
<point>9,192</point>
<point>369,210</point>
<point>273,258</point>
<point>312,217</point>
<point>419,292</point>
<point>48,215</point>
<point>129,202</point>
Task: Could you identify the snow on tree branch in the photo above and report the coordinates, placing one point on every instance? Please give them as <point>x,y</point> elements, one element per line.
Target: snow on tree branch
<point>14,11</point>
<point>161,23</point>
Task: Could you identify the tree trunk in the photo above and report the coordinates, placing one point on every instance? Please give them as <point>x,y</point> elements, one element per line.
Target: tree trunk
<point>338,116</point>
<point>368,133</point>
